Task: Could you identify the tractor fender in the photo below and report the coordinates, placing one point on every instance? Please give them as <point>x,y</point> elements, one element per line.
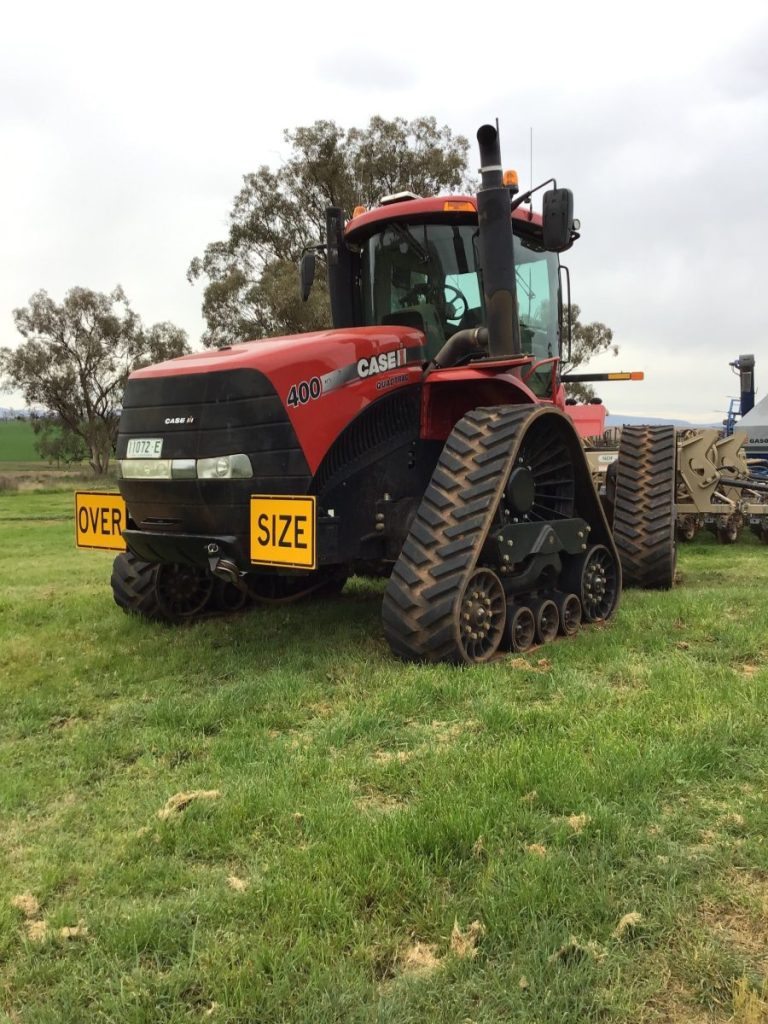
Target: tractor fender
<point>449,394</point>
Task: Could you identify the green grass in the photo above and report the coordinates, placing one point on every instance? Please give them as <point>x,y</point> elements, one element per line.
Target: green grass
<point>17,442</point>
<point>367,806</point>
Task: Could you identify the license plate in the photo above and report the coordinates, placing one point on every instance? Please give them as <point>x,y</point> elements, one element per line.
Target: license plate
<point>283,531</point>
<point>145,448</point>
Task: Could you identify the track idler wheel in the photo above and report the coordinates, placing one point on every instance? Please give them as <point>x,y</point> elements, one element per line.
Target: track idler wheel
<point>595,579</point>
<point>569,609</point>
<point>521,627</point>
<point>547,619</point>
<point>483,613</point>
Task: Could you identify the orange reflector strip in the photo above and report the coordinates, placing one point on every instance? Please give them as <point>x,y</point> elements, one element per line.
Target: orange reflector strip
<point>359,211</point>
<point>510,178</point>
<point>635,375</point>
<point>459,205</point>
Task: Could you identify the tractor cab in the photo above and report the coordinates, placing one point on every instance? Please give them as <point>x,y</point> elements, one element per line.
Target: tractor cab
<point>416,263</point>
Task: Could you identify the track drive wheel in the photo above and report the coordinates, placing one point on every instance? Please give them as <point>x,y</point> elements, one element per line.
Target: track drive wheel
<point>644,509</point>
<point>165,593</point>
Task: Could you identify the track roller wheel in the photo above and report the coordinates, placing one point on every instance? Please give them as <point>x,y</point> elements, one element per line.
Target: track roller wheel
<point>547,619</point>
<point>521,627</point>
<point>594,578</point>
<point>569,608</point>
<point>644,508</point>
<point>483,613</point>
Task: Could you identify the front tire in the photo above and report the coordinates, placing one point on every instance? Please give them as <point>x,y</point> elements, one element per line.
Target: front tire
<point>163,593</point>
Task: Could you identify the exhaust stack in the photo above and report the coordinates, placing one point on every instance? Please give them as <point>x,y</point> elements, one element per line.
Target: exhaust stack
<point>497,255</point>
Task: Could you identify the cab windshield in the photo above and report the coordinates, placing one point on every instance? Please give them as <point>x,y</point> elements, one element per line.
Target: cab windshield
<point>426,276</point>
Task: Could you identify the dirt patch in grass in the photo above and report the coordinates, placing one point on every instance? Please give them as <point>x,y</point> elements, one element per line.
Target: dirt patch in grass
<point>578,822</point>
<point>180,801</point>
<point>390,756</point>
<point>537,849</point>
<point>675,1005</point>
<point>749,671</point>
<point>464,943</point>
<point>379,803</point>
<point>237,884</point>
<point>742,922</point>
<point>447,732</point>
<point>627,925</point>
<point>420,958</point>
<point>574,951</point>
<point>37,931</point>
<point>27,904</point>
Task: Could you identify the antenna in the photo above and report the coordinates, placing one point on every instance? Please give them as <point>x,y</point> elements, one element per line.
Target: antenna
<point>531,152</point>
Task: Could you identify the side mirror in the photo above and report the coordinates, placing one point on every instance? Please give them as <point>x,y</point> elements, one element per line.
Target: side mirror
<point>558,219</point>
<point>307,274</point>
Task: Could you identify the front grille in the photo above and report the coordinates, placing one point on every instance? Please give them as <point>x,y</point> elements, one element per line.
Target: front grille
<point>221,413</point>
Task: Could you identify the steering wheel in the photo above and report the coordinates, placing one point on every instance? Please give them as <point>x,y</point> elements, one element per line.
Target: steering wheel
<point>431,293</point>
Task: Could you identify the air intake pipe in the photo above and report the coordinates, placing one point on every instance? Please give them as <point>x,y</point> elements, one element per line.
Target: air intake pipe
<point>497,257</point>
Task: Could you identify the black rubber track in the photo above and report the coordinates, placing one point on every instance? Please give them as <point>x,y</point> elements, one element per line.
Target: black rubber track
<point>644,506</point>
<point>420,610</point>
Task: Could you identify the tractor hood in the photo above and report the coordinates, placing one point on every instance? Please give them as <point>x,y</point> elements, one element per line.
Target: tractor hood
<point>321,382</point>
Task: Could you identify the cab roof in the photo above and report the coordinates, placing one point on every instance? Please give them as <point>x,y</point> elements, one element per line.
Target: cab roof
<point>412,209</point>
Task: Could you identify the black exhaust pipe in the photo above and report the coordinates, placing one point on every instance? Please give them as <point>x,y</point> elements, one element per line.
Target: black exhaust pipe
<point>497,255</point>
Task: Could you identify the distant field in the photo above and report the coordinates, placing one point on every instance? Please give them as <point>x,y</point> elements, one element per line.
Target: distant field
<point>576,835</point>
<point>17,442</point>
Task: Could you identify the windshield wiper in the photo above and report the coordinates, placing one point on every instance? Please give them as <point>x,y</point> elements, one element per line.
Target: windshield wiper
<point>410,239</point>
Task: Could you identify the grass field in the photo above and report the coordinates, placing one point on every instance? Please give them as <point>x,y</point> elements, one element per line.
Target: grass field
<point>17,442</point>
<point>575,835</point>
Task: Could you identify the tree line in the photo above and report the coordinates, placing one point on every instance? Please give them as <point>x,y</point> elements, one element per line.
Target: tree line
<point>76,355</point>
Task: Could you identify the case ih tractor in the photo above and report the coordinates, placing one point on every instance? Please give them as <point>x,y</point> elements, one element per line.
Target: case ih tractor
<point>424,437</point>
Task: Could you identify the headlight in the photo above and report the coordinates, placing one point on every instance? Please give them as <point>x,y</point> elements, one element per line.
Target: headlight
<point>225,467</point>
<point>145,469</point>
<point>222,467</point>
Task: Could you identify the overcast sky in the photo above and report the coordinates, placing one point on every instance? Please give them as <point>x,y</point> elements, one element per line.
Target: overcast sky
<point>125,131</point>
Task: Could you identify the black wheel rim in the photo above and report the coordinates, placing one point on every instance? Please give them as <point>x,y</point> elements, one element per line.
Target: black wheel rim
<point>483,613</point>
<point>570,615</point>
<point>542,484</point>
<point>599,584</point>
<point>547,621</point>
<point>183,590</point>
<point>522,629</point>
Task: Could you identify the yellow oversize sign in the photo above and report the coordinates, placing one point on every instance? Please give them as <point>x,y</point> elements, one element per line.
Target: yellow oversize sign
<point>100,519</point>
<point>283,531</point>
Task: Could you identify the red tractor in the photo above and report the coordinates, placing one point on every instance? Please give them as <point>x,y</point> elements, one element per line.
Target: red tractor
<point>424,437</point>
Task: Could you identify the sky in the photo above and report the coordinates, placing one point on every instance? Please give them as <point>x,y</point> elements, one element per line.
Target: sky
<point>125,131</point>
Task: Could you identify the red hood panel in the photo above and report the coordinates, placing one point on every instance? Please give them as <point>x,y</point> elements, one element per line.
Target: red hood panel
<point>324,379</point>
